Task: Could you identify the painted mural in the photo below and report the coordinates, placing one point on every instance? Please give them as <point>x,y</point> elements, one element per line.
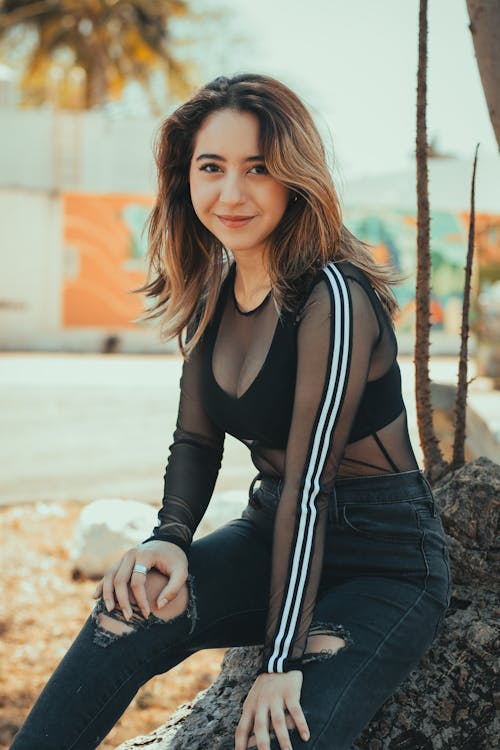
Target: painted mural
<point>104,259</point>
<point>105,247</point>
<point>392,234</point>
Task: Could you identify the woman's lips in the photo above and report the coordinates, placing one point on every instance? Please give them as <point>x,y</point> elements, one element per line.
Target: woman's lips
<point>234,221</point>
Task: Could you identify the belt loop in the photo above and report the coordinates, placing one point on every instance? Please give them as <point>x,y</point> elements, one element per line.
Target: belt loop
<point>431,492</point>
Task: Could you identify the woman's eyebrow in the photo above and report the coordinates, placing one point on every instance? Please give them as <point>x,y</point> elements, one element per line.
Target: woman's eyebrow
<point>221,158</point>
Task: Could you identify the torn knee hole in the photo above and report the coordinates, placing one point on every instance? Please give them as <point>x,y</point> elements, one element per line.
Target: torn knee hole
<point>319,643</point>
<point>325,641</point>
<point>113,625</point>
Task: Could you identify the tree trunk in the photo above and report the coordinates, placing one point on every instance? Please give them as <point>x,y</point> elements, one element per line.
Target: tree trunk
<point>485,29</point>
<point>433,458</point>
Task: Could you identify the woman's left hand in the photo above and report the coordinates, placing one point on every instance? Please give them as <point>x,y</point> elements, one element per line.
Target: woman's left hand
<point>269,696</point>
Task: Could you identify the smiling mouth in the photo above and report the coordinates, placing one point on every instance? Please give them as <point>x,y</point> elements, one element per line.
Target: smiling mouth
<point>234,221</point>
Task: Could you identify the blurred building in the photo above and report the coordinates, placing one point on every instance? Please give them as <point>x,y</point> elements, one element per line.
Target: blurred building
<point>382,210</point>
<point>75,192</point>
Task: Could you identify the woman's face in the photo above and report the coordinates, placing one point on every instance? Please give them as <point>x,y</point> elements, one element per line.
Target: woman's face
<point>232,193</point>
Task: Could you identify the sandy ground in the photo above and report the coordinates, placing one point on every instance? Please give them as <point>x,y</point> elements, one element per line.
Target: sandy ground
<point>42,610</point>
<point>76,428</point>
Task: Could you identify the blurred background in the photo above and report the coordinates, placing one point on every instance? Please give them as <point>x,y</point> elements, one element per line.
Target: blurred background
<point>85,85</point>
<point>87,412</point>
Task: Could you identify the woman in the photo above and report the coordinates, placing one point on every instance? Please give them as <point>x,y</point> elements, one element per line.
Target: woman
<point>338,563</point>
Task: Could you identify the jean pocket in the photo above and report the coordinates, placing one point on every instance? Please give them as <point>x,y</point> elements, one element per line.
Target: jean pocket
<point>447,584</point>
<point>424,507</point>
<point>395,522</point>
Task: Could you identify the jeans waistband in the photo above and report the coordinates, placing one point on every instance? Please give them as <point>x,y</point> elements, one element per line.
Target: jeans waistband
<point>406,485</point>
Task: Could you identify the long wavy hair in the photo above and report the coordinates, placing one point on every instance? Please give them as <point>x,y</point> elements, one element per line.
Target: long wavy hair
<point>186,262</point>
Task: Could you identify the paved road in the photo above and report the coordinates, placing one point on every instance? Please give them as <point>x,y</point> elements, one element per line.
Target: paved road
<point>81,427</point>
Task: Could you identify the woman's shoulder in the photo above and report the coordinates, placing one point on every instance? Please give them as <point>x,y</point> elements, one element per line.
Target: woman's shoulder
<point>338,284</point>
<point>333,275</point>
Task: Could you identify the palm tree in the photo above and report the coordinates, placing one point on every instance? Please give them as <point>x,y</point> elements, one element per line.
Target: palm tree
<point>109,42</point>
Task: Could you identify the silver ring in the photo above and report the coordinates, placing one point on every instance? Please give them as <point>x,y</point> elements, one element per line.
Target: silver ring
<point>140,569</point>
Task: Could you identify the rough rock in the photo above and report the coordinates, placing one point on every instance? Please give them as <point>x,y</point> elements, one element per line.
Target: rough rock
<point>450,701</point>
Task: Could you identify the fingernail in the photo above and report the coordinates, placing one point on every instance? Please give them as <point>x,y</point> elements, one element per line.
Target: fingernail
<point>162,601</point>
<point>109,605</point>
<point>306,736</point>
<point>128,614</point>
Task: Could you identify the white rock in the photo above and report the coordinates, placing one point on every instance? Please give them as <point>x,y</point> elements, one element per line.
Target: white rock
<point>222,508</point>
<point>105,530</point>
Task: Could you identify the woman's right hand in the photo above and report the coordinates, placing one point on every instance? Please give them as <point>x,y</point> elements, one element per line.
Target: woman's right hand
<point>166,557</point>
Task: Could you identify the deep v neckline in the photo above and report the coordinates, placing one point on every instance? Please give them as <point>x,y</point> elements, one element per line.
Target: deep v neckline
<point>227,289</point>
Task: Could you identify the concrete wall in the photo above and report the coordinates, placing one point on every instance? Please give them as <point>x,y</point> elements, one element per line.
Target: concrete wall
<point>35,273</point>
<point>31,263</point>
<point>88,151</point>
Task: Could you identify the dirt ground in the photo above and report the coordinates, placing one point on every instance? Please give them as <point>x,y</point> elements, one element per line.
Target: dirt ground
<point>42,609</point>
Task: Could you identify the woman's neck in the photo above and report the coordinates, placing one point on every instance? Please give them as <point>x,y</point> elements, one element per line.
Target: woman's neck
<point>251,282</point>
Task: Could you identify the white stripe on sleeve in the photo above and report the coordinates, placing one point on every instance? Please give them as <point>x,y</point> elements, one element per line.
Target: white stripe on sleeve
<point>329,410</point>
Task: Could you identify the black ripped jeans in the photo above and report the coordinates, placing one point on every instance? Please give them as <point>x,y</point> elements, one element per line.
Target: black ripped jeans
<point>385,587</point>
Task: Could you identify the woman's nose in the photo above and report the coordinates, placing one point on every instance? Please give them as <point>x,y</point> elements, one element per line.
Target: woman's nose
<point>232,190</point>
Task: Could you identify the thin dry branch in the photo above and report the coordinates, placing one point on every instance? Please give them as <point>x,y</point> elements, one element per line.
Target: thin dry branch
<point>461,397</point>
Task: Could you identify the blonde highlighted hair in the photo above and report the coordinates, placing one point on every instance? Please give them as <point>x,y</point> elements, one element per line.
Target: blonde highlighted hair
<point>186,261</point>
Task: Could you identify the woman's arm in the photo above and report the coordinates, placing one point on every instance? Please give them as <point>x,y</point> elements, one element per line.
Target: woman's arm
<point>193,462</point>
<point>336,336</point>
<point>192,468</point>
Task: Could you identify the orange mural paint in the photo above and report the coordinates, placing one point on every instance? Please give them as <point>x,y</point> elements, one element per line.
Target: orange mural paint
<point>104,259</point>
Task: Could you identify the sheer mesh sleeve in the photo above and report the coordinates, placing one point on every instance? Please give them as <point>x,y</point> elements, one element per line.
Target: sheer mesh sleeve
<point>336,335</point>
<point>193,462</point>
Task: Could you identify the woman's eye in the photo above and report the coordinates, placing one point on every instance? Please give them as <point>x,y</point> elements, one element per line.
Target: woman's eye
<point>259,169</point>
<point>210,168</point>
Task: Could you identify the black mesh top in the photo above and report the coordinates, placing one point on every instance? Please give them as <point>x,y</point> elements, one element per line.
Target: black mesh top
<point>315,396</point>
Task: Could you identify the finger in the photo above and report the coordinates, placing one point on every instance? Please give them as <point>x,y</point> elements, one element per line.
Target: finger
<point>279,726</point>
<point>108,587</point>
<point>98,591</point>
<point>174,585</point>
<point>261,729</point>
<point>295,711</point>
<point>138,586</point>
<point>243,730</point>
<point>121,581</point>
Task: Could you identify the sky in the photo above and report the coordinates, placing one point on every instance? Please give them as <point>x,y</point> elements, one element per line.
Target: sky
<point>354,63</point>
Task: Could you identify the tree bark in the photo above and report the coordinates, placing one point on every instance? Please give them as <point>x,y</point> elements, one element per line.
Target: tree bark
<point>484,26</point>
<point>433,458</point>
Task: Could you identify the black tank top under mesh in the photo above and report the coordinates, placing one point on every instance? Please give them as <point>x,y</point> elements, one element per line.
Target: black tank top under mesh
<point>315,396</point>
